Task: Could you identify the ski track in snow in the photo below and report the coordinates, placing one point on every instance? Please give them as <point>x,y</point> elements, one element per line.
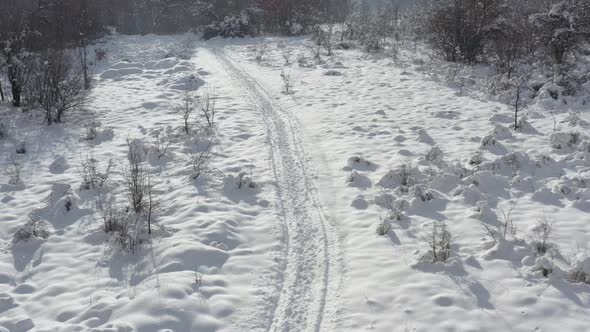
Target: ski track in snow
<point>312,267</point>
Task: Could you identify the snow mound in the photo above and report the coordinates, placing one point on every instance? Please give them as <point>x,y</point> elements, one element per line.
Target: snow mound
<point>59,165</point>
<point>120,73</point>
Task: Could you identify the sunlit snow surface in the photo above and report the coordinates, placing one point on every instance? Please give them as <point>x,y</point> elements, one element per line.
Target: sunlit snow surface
<point>349,121</point>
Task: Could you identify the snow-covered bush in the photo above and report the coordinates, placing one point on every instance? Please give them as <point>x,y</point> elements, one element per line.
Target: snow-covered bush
<point>59,85</point>
<point>33,229</point>
<point>563,27</point>
<point>287,82</point>
<point>439,242</point>
<point>393,208</point>
<point>93,175</point>
<point>229,27</point>
<point>260,51</point>
<point>294,28</point>
<point>540,236</point>
<point>91,133</point>
<point>580,268</point>
<point>14,173</point>
<point>564,141</point>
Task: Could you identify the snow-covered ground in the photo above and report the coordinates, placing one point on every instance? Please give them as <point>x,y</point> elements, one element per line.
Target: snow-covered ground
<point>299,250</point>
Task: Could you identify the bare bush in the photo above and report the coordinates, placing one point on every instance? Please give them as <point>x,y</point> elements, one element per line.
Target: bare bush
<point>93,175</point>
<point>287,82</point>
<point>207,107</point>
<point>161,145</point>
<point>383,227</point>
<point>200,162</point>
<point>507,226</point>
<point>540,236</point>
<point>111,215</point>
<point>404,172</point>
<point>260,52</point>
<point>135,176</point>
<point>128,232</point>
<point>459,27</point>
<point>186,108</point>
<point>439,242</point>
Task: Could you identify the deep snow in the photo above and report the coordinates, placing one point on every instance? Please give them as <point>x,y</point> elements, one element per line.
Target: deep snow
<point>299,251</point>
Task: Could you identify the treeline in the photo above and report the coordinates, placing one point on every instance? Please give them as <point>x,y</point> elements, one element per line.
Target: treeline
<point>507,32</point>
<point>34,31</point>
<point>61,21</point>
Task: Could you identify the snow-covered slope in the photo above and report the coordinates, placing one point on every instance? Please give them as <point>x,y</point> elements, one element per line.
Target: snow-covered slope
<point>298,250</point>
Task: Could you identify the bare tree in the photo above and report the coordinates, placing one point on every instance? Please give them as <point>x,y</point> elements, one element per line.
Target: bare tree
<point>186,108</point>
<point>59,85</point>
<point>207,106</point>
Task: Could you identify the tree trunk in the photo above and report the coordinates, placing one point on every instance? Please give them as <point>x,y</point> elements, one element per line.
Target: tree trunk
<point>16,91</point>
<point>1,92</point>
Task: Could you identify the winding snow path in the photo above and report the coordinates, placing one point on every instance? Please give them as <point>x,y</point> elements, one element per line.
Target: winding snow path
<point>312,265</point>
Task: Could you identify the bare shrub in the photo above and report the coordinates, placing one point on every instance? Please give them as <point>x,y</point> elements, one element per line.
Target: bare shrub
<point>93,175</point>
<point>507,226</point>
<point>393,208</point>
<point>128,231</point>
<point>458,28</point>
<point>404,172</point>
<point>287,82</point>
<point>540,236</point>
<point>439,242</point>
<point>135,176</point>
<point>186,108</point>
<point>260,52</point>
<point>59,85</point>
<point>199,161</point>
<point>161,146</point>
<point>316,51</point>
<point>14,173</point>
<point>207,107</point>
<point>111,215</point>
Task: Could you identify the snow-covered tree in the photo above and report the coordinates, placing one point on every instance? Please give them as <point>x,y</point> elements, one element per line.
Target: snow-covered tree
<point>563,27</point>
